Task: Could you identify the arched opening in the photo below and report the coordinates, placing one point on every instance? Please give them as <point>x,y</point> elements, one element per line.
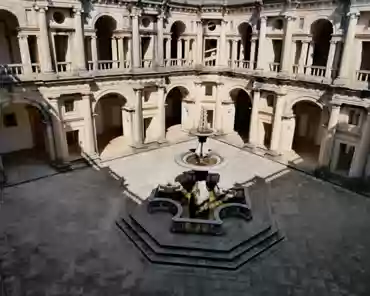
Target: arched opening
<point>177,29</point>
<point>245,31</point>
<point>321,31</point>
<point>105,27</point>
<point>307,131</point>
<point>173,111</point>
<point>26,148</point>
<point>9,47</point>
<point>109,122</point>
<point>243,109</point>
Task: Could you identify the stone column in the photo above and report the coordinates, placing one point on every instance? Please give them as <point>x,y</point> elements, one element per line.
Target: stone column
<point>222,61</point>
<point>348,48</point>
<point>44,44</point>
<point>329,63</point>
<point>138,119</point>
<point>89,128</point>
<point>129,51</point>
<point>218,109</point>
<point>59,132</point>
<point>161,114</point>
<point>114,52</point>
<point>254,121</point>
<point>328,136</point>
<point>253,53</point>
<point>187,51</point>
<point>179,51</point>
<point>94,52</point>
<point>79,43</point>
<point>25,54</point>
<point>199,55</point>
<point>302,58</point>
<point>50,141</point>
<point>234,53</point>
<point>287,43</point>
<point>135,39</point>
<point>168,50</point>
<point>362,151</point>
<point>121,52</point>
<point>198,103</point>
<point>276,126</point>
<point>160,39</point>
<point>261,58</point>
<point>311,47</point>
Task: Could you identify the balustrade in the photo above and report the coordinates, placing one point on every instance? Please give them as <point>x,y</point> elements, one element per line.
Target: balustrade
<point>363,75</point>
<point>318,71</point>
<point>64,67</point>
<point>146,63</point>
<point>274,67</point>
<point>11,69</point>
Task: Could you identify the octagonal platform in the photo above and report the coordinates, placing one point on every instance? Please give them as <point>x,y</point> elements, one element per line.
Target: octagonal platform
<point>241,241</point>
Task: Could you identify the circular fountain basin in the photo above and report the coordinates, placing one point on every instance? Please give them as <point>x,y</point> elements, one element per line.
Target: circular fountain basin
<point>190,160</point>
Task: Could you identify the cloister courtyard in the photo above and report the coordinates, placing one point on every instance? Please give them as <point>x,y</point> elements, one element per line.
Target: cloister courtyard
<point>58,234</point>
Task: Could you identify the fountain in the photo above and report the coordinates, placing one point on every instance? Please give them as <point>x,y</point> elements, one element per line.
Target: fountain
<point>198,159</point>
<point>196,233</point>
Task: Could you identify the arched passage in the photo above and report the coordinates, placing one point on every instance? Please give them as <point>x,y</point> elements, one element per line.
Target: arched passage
<point>321,31</point>
<point>174,106</point>
<point>109,120</point>
<point>105,27</point>
<point>245,31</point>
<point>9,47</point>
<point>177,29</point>
<point>27,144</point>
<point>307,130</point>
<point>243,109</point>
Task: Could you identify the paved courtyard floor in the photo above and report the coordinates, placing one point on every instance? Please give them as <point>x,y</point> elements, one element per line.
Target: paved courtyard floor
<point>58,235</point>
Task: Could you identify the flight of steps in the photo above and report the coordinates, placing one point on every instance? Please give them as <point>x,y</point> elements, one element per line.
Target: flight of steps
<point>242,242</point>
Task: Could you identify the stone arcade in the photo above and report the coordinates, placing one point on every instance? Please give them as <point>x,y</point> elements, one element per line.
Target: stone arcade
<point>288,79</point>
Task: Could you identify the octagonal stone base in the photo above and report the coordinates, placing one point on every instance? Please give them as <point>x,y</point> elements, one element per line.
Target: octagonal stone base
<point>242,240</point>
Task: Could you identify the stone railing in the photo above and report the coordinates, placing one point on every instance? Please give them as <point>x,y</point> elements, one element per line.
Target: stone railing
<point>11,69</point>
<point>36,68</point>
<point>318,71</point>
<point>363,75</point>
<point>244,64</point>
<point>105,64</point>
<point>295,69</point>
<point>274,67</point>
<point>146,63</point>
<point>64,67</point>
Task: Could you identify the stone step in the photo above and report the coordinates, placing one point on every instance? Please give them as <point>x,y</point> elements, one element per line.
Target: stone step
<point>212,253</point>
<point>185,259</point>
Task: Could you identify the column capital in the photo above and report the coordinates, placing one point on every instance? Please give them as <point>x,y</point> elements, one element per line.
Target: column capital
<point>353,14</point>
<point>161,16</point>
<point>77,11</point>
<point>263,18</point>
<point>335,105</point>
<point>39,8</point>
<point>290,17</point>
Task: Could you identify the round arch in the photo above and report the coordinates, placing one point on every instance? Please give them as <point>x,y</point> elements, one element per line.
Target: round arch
<point>103,14</point>
<point>105,25</point>
<point>18,13</point>
<point>123,93</point>
<point>290,105</point>
<point>174,105</point>
<point>321,30</point>
<point>112,122</point>
<point>307,122</point>
<point>177,29</point>
<point>26,137</point>
<point>10,53</point>
<point>243,110</point>
<point>245,31</point>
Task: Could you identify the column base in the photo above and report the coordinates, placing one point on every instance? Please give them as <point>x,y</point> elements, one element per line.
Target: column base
<point>138,145</point>
<point>250,146</point>
<point>340,81</point>
<point>273,153</point>
<point>162,141</point>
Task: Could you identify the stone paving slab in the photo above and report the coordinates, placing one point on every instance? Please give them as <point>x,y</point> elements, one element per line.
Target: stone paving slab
<point>144,171</point>
<point>58,237</point>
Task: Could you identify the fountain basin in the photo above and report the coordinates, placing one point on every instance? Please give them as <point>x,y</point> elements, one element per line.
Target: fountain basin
<point>191,161</point>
